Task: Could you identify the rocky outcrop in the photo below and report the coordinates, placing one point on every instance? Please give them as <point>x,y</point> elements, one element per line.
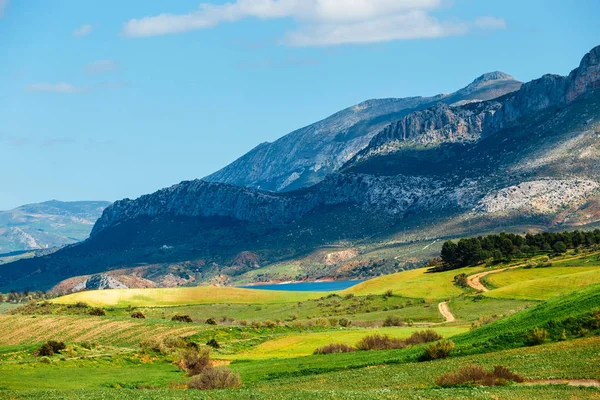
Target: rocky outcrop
<point>304,157</point>
<point>471,122</point>
<point>99,282</point>
<point>434,126</point>
<point>539,197</point>
<point>550,91</point>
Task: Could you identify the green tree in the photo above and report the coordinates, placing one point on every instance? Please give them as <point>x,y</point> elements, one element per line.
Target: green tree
<point>560,247</point>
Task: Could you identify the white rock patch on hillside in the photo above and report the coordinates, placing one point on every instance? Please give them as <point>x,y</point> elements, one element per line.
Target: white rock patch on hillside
<point>538,197</point>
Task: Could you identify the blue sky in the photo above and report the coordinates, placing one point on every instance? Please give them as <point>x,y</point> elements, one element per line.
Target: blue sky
<point>113,99</point>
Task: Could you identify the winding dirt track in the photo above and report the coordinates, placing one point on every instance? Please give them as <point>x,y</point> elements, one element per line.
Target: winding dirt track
<point>445,311</point>
<point>475,280</point>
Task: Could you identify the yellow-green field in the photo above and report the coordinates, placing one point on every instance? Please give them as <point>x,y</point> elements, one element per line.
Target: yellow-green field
<point>554,283</point>
<point>527,274</point>
<point>17,330</point>
<point>305,344</point>
<point>184,296</point>
<point>416,283</point>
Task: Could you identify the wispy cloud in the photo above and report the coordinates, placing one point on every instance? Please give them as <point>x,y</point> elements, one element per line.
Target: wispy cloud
<point>321,22</point>
<point>112,85</point>
<point>3,5</point>
<point>100,67</point>
<point>61,87</point>
<point>490,23</point>
<point>83,30</point>
<point>57,141</point>
<point>14,141</point>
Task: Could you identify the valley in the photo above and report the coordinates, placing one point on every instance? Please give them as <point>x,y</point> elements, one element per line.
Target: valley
<point>269,337</point>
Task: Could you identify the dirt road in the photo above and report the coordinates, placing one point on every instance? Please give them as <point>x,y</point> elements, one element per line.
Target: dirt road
<point>445,311</point>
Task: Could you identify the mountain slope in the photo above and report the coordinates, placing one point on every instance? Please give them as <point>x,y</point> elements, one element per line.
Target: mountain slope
<point>304,157</point>
<point>49,224</point>
<point>529,159</point>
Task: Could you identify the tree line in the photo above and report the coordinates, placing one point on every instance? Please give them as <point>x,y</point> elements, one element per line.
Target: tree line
<point>507,246</point>
<point>24,297</point>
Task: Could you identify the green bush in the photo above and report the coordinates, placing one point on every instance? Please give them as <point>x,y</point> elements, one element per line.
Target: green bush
<point>380,342</point>
<point>181,318</point>
<point>334,348</point>
<point>45,360</point>
<point>97,312</point>
<point>56,346</point>
<point>438,350</point>
<point>46,350</point>
<point>215,378</point>
<point>537,336</point>
<point>138,314</point>
<point>476,375</point>
<point>213,343</point>
<point>210,321</point>
<point>194,362</point>
<point>392,320</point>
<point>345,322</point>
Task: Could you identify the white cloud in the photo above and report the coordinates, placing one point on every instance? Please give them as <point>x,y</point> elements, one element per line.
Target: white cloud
<point>100,67</point>
<point>321,22</point>
<point>490,23</point>
<point>3,5</point>
<point>83,30</point>
<point>55,88</point>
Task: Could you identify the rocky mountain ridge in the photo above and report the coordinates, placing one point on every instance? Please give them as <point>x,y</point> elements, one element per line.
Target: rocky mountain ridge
<point>304,157</point>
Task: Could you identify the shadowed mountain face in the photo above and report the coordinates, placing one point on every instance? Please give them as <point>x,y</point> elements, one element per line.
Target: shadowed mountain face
<point>306,156</point>
<point>49,224</point>
<point>527,159</point>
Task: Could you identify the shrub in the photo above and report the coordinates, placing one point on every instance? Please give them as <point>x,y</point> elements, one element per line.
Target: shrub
<point>421,337</point>
<point>97,312</point>
<point>45,360</point>
<point>56,346</point>
<point>333,321</point>
<point>345,322</point>
<point>138,314</point>
<point>388,293</point>
<point>380,342</point>
<point>213,343</point>
<point>461,280</point>
<point>393,320</point>
<point>438,350</point>
<point>210,321</point>
<point>215,378</point>
<point>194,362</point>
<point>559,247</point>
<point>348,296</point>
<point>80,304</point>
<point>322,322</point>
<point>181,318</point>
<point>334,348</point>
<point>473,374</point>
<point>270,324</point>
<point>537,336</point>
<point>154,345</point>
<point>46,350</point>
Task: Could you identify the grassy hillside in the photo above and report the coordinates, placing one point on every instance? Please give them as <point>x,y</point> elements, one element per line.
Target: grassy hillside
<point>184,296</point>
<point>542,284</point>
<point>417,283</point>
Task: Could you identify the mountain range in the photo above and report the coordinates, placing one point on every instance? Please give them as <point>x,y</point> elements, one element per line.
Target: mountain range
<point>49,224</point>
<point>376,188</point>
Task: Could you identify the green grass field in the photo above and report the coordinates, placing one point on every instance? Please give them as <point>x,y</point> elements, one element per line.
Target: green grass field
<point>551,282</point>
<point>184,296</point>
<point>416,283</point>
<point>269,338</point>
<point>304,344</point>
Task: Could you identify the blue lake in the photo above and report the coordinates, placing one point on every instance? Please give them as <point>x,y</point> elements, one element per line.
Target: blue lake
<point>307,286</point>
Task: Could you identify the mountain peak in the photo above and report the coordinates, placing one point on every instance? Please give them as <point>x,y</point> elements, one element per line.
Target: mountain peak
<point>490,77</point>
